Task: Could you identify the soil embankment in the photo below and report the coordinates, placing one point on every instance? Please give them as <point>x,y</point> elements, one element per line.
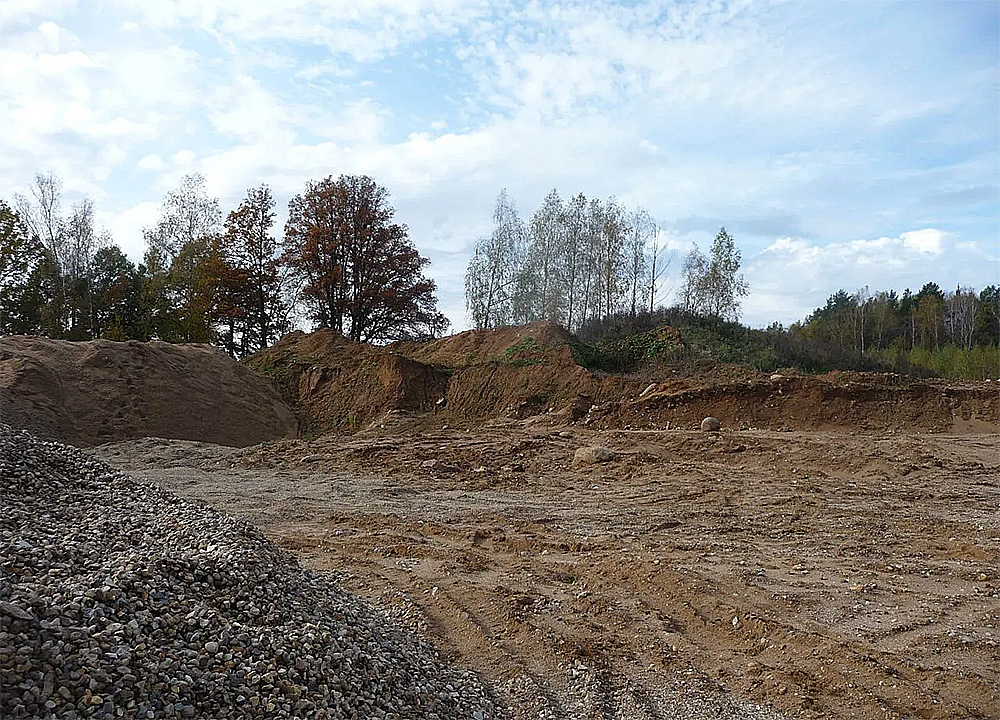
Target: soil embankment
<point>532,371</point>
<point>86,393</point>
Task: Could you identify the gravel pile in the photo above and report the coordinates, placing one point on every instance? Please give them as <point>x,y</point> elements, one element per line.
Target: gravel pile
<point>121,600</point>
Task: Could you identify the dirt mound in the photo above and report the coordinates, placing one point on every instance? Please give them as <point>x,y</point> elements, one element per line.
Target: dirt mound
<point>339,385</point>
<point>336,383</point>
<point>532,372</point>
<point>837,400</point>
<point>87,393</point>
<point>482,346</point>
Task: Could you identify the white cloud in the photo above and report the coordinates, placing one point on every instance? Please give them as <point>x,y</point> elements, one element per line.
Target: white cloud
<point>151,163</point>
<point>793,276</point>
<point>25,10</point>
<point>126,226</point>
<point>772,119</point>
<point>184,159</point>
<point>928,241</point>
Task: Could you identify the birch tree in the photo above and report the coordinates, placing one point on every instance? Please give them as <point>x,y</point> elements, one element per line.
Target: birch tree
<point>187,215</point>
<point>574,260</point>
<point>41,212</point>
<point>641,234</point>
<point>694,284</point>
<point>495,268</point>
<point>960,316</point>
<point>546,260</point>
<point>726,286</point>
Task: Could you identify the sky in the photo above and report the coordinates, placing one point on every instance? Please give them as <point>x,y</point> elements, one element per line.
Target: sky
<point>842,144</point>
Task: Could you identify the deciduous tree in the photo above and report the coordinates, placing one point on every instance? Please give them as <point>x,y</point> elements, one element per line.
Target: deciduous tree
<point>187,215</point>
<point>495,268</point>
<point>360,273</point>
<point>251,302</point>
<point>726,286</point>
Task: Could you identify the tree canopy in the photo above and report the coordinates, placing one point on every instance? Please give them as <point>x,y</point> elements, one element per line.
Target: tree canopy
<point>360,274</point>
<point>343,262</point>
<point>713,286</point>
<point>572,263</point>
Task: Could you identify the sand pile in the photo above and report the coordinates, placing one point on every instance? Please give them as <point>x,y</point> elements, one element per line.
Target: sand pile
<point>87,393</point>
<point>118,599</point>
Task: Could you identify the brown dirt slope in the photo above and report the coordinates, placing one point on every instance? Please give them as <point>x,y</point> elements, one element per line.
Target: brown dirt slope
<point>483,346</point>
<point>335,383</point>
<point>530,371</point>
<point>88,393</point>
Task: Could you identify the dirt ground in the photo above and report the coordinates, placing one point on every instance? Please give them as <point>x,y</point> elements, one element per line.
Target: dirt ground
<point>749,573</point>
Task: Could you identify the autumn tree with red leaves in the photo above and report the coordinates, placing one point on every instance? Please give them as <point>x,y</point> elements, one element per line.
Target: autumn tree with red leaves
<point>360,274</point>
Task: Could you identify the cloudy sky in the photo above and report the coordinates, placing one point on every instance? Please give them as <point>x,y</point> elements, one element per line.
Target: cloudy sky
<point>842,144</point>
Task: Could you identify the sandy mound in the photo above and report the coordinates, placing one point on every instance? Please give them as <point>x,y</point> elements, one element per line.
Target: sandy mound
<point>87,393</point>
<point>337,383</point>
<point>482,346</point>
<point>531,372</point>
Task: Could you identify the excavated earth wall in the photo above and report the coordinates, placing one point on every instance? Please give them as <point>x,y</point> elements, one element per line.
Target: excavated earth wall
<point>531,372</point>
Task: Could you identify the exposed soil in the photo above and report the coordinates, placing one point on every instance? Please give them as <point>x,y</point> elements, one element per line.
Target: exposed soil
<point>531,372</point>
<point>817,574</point>
<point>833,552</point>
<point>86,393</point>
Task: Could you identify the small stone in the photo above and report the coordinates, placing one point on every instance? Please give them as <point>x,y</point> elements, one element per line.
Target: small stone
<point>15,612</point>
<point>711,424</point>
<point>211,647</point>
<point>592,455</point>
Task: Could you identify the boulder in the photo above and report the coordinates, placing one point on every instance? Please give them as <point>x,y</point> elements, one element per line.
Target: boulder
<point>711,424</point>
<point>593,455</point>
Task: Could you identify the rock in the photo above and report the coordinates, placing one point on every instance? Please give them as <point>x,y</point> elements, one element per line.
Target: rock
<point>580,406</point>
<point>592,455</point>
<point>711,424</point>
<point>439,467</point>
<point>15,612</point>
<point>138,632</point>
<point>649,389</point>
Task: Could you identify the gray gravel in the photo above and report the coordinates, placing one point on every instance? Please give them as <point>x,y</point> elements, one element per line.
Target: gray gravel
<point>118,599</point>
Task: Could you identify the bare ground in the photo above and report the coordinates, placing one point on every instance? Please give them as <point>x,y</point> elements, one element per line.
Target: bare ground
<point>747,574</point>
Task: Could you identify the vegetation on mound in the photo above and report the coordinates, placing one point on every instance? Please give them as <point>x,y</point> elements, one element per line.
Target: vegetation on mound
<point>525,352</point>
<point>627,353</point>
<point>624,344</point>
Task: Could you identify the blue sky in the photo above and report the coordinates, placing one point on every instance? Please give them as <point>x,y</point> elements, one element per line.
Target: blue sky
<point>842,144</point>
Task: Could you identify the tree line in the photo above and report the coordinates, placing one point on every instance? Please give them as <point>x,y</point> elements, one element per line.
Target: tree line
<point>342,263</point>
<point>582,262</point>
<point>871,322</point>
<point>955,334</point>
